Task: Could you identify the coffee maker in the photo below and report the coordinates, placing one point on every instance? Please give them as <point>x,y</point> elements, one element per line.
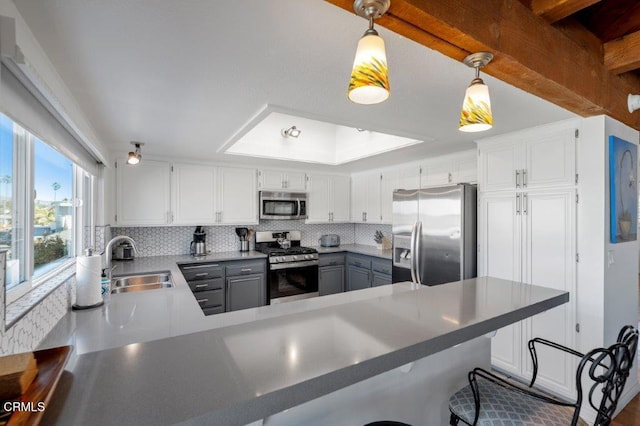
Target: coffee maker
<point>198,245</point>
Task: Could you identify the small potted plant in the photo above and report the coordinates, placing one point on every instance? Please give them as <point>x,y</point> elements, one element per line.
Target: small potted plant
<point>378,237</point>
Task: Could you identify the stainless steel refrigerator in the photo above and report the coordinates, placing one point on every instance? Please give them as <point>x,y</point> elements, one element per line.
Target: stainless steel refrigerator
<point>434,234</point>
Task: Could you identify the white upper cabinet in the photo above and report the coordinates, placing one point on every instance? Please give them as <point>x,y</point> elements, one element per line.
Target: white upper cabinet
<point>328,198</point>
<point>276,180</point>
<point>409,177</point>
<point>340,198</point>
<point>465,168</point>
<point>237,196</point>
<point>389,183</point>
<point>450,169</point>
<point>143,193</point>
<point>539,157</point>
<point>436,172</point>
<point>365,198</point>
<point>157,193</point>
<point>194,189</point>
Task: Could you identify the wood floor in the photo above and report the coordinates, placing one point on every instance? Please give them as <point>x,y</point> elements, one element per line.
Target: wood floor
<point>630,415</point>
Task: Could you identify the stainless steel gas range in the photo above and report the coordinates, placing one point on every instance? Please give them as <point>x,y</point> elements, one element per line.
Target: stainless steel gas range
<point>293,270</point>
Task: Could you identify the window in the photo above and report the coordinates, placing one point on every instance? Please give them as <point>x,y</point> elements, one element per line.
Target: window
<point>40,187</point>
<point>52,208</point>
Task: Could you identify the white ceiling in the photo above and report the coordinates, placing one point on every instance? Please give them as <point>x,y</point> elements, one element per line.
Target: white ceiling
<point>318,141</point>
<point>185,76</point>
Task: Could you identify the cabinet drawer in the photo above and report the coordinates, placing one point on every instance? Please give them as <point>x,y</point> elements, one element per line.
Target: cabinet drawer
<point>202,271</point>
<point>359,261</point>
<point>245,268</point>
<point>331,259</point>
<point>213,310</point>
<point>210,298</point>
<point>204,285</point>
<point>381,266</point>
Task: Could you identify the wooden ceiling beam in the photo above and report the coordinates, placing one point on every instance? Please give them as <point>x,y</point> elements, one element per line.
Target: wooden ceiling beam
<point>623,54</point>
<point>555,10</point>
<point>529,53</point>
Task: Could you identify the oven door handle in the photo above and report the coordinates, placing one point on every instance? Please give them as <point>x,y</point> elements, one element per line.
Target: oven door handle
<point>277,266</point>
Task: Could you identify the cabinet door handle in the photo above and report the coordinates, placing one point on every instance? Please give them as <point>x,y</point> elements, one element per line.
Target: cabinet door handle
<point>202,300</point>
<point>517,203</point>
<point>525,201</point>
<point>246,270</point>
<point>239,280</point>
<point>517,178</point>
<point>524,178</point>
<point>450,178</point>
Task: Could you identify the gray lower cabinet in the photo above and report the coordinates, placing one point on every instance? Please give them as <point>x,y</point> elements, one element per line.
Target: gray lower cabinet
<point>227,286</point>
<point>358,278</point>
<point>381,269</point>
<point>246,284</point>
<point>246,292</point>
<point>331,273</point>
<point>367,271</point>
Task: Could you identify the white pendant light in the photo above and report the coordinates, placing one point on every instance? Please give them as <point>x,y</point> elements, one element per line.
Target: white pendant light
<point>476,113</point>
<point>369,82</point>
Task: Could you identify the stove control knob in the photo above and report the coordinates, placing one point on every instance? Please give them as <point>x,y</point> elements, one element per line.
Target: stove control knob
<point>294,258</point>
<point>307,256</point>
<point>280,259</point>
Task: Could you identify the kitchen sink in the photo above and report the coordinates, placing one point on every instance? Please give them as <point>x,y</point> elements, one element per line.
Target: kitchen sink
<point>133,283</point>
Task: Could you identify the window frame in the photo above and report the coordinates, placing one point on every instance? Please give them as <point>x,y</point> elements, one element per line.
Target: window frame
<point>24,207</point>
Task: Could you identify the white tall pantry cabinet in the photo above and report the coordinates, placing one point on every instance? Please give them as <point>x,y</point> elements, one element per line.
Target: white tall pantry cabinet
<point>527,232</point>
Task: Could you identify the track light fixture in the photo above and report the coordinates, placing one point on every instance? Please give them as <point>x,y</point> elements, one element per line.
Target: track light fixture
<point>291,132</point>
<point>135,156</point>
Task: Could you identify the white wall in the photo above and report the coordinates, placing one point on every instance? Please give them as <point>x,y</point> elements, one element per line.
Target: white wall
<point>608,293</point>
<point>621,277</point>
<point>41,64</point>
<point>591,241</point>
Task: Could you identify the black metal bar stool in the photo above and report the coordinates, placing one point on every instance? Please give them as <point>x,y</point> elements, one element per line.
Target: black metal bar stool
<point>490,400</point>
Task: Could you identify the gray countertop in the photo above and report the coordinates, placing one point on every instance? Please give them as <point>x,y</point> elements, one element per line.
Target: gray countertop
<point>247,365</point>
<point>156,314</point>
<point>357,248</point>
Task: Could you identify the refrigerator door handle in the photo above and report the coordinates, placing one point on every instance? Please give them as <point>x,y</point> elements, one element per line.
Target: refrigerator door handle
<point>413,253</point>
<point>418,252</point>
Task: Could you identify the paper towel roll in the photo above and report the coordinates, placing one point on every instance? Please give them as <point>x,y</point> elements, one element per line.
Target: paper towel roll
<point>88,276</point>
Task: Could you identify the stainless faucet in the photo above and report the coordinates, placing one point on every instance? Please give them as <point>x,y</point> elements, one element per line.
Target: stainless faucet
<point>107,252</point>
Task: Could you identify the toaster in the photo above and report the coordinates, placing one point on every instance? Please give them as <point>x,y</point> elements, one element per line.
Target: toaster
<point>329,240</point>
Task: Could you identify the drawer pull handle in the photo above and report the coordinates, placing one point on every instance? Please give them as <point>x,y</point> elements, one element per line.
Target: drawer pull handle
<point>202,274</point>
<point>202,285</point>
<point>200,266</point>
<point>202,300</point>
<point>246,270</point>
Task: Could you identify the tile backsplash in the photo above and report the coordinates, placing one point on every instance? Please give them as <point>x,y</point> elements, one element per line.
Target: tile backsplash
<point>28,331</point>
<point>172,240</point>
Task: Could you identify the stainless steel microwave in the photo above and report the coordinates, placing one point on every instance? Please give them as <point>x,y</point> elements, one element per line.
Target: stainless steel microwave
<point>283,205</point>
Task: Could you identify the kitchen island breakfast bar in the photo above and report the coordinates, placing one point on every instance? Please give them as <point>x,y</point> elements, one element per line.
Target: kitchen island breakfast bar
<point>391,352</point>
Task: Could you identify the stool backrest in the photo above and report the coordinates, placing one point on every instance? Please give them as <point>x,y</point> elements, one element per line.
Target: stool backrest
<point>609,369</point>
